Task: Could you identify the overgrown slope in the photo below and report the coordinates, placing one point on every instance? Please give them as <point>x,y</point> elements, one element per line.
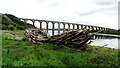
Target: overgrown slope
<point>11,22</point>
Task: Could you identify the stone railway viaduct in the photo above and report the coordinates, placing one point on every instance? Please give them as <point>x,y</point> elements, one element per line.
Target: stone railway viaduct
<point>71,26</point>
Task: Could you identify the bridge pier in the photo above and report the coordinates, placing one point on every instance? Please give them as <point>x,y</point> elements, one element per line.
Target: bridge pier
<point>40,24</point>
<point>58,28</point>
<point>85,27</point>
<point>92,28</point>
<point>33,23</point>
<point>47,26</point>
<point>81,26</point>
<point>98,28</point>
<point>102,28</point>
<point>73,26</point>
<point>63,27</point>
<point>77,26</point>
<point>88,27</point>
<point>53,28</point>
<point>68,27</point>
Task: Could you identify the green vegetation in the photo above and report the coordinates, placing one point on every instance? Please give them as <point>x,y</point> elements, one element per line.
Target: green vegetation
<point>110,32</point>
<point>11,22</point>
<point>25,53</point>
<point>117,32</point>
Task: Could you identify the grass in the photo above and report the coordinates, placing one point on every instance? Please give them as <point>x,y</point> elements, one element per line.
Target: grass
<point>29,54</point>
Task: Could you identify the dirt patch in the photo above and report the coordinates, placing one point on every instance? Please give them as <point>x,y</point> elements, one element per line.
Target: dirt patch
<point>10,47</point>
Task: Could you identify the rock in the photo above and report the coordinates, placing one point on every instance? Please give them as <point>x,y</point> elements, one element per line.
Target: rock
<point>12,47</point>
<point>12,38</point>
<point>8,38</point>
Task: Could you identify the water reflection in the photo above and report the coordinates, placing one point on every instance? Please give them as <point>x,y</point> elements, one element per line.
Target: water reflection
<point>104,37</point>
<point>100,40</point>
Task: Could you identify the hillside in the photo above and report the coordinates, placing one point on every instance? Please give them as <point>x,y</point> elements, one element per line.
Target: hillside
<point>11,22</point>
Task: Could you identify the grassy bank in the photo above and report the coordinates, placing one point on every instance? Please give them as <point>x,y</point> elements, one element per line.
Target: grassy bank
<point>24,53</point>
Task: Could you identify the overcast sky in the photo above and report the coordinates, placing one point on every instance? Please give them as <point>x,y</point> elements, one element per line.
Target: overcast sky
<point>90,12</point>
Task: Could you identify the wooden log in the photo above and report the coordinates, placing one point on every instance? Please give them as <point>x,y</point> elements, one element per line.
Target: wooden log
<point>74,38</point>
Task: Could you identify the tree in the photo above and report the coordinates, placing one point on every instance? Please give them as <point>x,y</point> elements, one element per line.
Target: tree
<point>20,28</point>
<point>11,27</point>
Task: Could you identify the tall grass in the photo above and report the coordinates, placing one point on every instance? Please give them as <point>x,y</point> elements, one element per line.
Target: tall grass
<point>28,54</point>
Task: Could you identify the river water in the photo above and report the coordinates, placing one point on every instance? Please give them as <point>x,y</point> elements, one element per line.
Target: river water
<point>112,41</point>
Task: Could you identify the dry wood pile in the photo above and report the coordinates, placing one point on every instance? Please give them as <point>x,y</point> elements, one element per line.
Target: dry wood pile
<point>71,39</point>
<point>36,35</point>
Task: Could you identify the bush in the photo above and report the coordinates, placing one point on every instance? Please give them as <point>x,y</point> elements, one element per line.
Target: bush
<point>20,27</point>
<point>15,22</point>
<point>24,39</point>
<point>4,27</point>
<point>11,27</point>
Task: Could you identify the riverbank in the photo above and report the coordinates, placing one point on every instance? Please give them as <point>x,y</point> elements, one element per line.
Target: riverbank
<point>24,53</point>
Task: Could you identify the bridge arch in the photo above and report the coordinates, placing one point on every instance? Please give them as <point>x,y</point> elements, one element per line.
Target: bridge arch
<point>37,24</point>
<point>29,21</point>
<point>62,26</point>
<point>66,27</point>
<point>75,26</point>
<point>43,25</point>
<point>79,26</point>
<point>50,28</point>
<point>71,26</point>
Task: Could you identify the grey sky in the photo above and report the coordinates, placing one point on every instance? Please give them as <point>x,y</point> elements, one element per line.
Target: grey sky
<point>91,12</point>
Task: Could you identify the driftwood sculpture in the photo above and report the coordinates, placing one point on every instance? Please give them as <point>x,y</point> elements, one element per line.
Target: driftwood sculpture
<point>71,39</point>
